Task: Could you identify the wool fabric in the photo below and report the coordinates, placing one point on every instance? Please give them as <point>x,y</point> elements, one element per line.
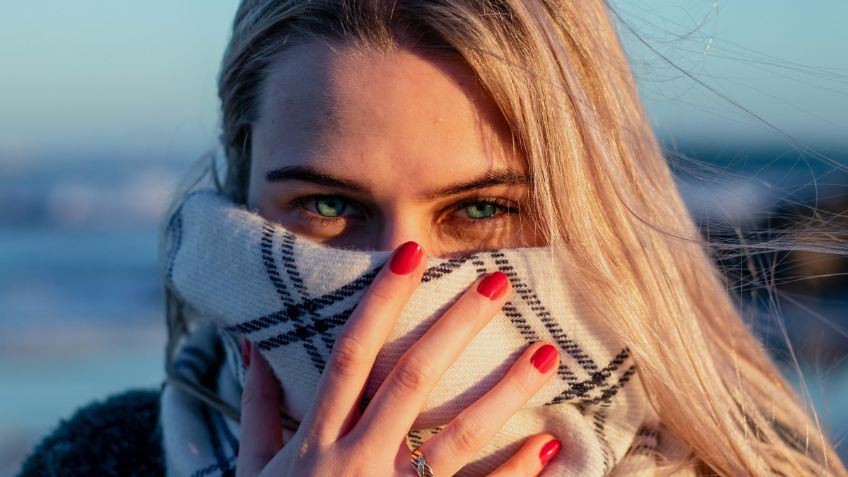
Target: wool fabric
<point>243,277</point>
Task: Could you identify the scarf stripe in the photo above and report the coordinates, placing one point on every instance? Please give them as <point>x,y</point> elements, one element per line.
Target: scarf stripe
<point>248,278</point>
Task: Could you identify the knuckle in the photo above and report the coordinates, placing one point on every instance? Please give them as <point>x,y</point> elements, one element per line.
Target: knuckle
<point>248,396</point>
<point>348,356</point>
<point>255,393</point>
<point>476,311</point>
<point>308,444</point>
<point>467,437</point>
<point>411,376</point>
<point>305,449</point>
<point>525,380</point>
<point>381,293</point>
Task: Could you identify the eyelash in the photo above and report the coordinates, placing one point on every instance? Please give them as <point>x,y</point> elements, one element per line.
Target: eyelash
<point>503,207</point>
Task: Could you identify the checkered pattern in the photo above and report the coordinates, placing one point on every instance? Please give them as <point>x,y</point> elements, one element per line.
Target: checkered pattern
<point>253,279</point>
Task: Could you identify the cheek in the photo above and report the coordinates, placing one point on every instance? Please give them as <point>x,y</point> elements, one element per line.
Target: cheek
<point>513,233</point>
<point>253,192</point>
<point>524,233</point>
<point>259,200</point>
<point>531,236</point>
<point>259,195</point>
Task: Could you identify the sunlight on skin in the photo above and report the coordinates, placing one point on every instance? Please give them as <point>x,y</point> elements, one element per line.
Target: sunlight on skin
<point>396,127</point>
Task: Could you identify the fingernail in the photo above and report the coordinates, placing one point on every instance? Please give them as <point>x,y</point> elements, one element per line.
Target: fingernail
<point>493,285</point>
<point>549,451</point>
<point>406,258</point>
<point>544,358</point>
<point>245,352</point>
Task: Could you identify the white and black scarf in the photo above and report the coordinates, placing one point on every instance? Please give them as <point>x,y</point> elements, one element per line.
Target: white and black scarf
<point>245,277</point>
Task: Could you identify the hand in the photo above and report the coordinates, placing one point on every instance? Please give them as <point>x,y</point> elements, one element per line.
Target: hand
<point>335,439</point>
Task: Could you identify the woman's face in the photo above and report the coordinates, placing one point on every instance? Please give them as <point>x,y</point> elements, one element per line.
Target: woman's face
<point>358,149</point>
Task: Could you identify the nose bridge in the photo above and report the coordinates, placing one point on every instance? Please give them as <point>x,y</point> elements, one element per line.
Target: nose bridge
<point>398,229</point>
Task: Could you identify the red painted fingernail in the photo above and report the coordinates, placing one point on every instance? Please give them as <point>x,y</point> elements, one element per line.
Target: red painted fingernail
<point>549,451</point>
<point>245,352</point>
<point>544,358</point>
<point>493,285</point>
<point>406,258</point>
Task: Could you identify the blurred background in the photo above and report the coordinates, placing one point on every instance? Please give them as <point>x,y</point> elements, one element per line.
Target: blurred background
<point>103,105</point>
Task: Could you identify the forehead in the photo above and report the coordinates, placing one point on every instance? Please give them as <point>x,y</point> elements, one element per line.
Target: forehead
<point>360,110</point>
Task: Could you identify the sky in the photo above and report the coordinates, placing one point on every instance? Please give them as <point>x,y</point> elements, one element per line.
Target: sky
<point>137,79</point>
<point>783,61</point>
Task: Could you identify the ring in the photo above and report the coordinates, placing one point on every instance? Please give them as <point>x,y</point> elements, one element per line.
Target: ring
<point>420,464</point>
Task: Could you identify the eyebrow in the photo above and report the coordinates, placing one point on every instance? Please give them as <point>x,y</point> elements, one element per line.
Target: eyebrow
<point>308,174</point>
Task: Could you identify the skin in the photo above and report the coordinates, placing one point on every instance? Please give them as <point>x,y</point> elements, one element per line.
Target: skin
<point>409,130</point>
<point>400,125</point>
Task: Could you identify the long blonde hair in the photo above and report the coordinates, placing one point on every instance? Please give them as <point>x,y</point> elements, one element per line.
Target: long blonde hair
<point>602,194</point>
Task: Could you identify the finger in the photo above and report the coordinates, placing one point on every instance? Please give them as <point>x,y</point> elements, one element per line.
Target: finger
<point>400,397</point>
<point>343,380</point>
<point>533,456</point>
<point>260,431</point>
<point>461,438</point>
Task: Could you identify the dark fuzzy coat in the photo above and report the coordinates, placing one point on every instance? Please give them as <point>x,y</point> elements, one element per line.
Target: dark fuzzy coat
<point>119,436</point>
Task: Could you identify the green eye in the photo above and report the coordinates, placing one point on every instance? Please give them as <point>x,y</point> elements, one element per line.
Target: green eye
<point>481,210</point>
<point>330,206</point>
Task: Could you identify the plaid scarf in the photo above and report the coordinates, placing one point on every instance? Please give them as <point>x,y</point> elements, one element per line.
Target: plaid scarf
<point>244,277</point>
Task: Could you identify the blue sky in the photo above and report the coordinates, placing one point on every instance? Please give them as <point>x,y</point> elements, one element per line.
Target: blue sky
<point>783,60</point>
<point>137,79</point>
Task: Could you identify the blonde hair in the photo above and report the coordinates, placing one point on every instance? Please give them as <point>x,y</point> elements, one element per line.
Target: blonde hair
<point>602,194</point>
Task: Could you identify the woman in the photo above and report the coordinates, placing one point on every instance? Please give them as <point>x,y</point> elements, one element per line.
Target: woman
<point>440,130</point>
